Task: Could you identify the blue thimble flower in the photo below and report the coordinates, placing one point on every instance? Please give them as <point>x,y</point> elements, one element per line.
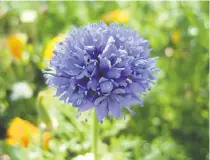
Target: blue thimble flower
<point>106,67</point>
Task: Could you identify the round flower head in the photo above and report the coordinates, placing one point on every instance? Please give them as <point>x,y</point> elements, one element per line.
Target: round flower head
<point>106,67</point>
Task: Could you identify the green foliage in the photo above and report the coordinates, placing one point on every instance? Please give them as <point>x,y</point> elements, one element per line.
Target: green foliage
<point>172,125</point>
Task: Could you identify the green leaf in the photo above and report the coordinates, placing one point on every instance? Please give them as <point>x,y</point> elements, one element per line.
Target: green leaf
<point>14,153</point>
<point>43,112</point>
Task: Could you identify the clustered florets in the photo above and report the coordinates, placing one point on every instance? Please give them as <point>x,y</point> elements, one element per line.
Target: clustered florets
<point>103,67</point>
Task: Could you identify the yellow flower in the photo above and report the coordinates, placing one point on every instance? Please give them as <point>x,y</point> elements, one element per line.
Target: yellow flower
<point>46,138</point>
<point>48,52</point>
<point>24,132</point>
<point>116,15</point>
<point>176,35</point>
<point>15,45</point>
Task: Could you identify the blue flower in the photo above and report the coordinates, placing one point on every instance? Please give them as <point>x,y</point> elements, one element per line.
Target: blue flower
<point>106,67</point>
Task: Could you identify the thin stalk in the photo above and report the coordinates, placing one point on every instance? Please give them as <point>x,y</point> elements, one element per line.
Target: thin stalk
<point>95,136</point>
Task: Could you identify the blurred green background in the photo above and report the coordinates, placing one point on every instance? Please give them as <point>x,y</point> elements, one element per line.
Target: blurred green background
<point>172,125</point>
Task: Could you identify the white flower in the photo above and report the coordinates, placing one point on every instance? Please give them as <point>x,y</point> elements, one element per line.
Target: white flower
<point>88,156</point>
<point>34,155</point>
<point>28,16</point>
<point>21,90</point>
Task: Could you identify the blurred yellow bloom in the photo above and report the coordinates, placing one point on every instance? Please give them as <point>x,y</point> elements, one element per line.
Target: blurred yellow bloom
<point>176,35</point>
<point>48,52</point>
<point>116,15</point>
<point>46,139</point>
<point>23,132</point>
<point>15,45</point>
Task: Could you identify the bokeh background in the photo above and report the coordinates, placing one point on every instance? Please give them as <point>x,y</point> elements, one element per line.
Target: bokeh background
<point>172,125</point>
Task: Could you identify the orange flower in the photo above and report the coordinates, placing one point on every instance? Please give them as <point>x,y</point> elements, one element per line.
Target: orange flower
<point>15,45</point>
<point>176,35</point>
<point>48,52</point>
<point>46,139</point>
<point>116,15</point>
<point>23,132</point>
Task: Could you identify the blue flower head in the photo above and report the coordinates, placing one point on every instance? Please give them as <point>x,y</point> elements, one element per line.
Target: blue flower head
<point>106,67</point>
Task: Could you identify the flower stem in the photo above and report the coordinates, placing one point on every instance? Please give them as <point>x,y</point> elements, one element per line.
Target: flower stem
<point>95,136</point>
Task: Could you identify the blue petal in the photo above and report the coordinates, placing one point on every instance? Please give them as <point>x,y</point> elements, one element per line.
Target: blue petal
<point>102,111</point>
<point>92,84</point>
<point>127,71</point>
<point>119,91</point>
<point>95,71</point>
<point>59,81</point>
<point>110,48</point>
<point>60,91</point>
<point>90,67</point>
<point>135,87</point>
<point>85,106</point>
<point>114,108</point>
<point>80,53</point>
<point>102,79</point>
<point>90,49</point>
<point>135,99</point>
<point>104,63</point>
<point>73,72</point>
<point>113,73</point>
<point>106,87</point>
<point>82,74</point>
<point>99,100</point>
<point>118,98</point>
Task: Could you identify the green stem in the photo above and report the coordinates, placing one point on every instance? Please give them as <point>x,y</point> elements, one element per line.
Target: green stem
<point>95,136</point>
